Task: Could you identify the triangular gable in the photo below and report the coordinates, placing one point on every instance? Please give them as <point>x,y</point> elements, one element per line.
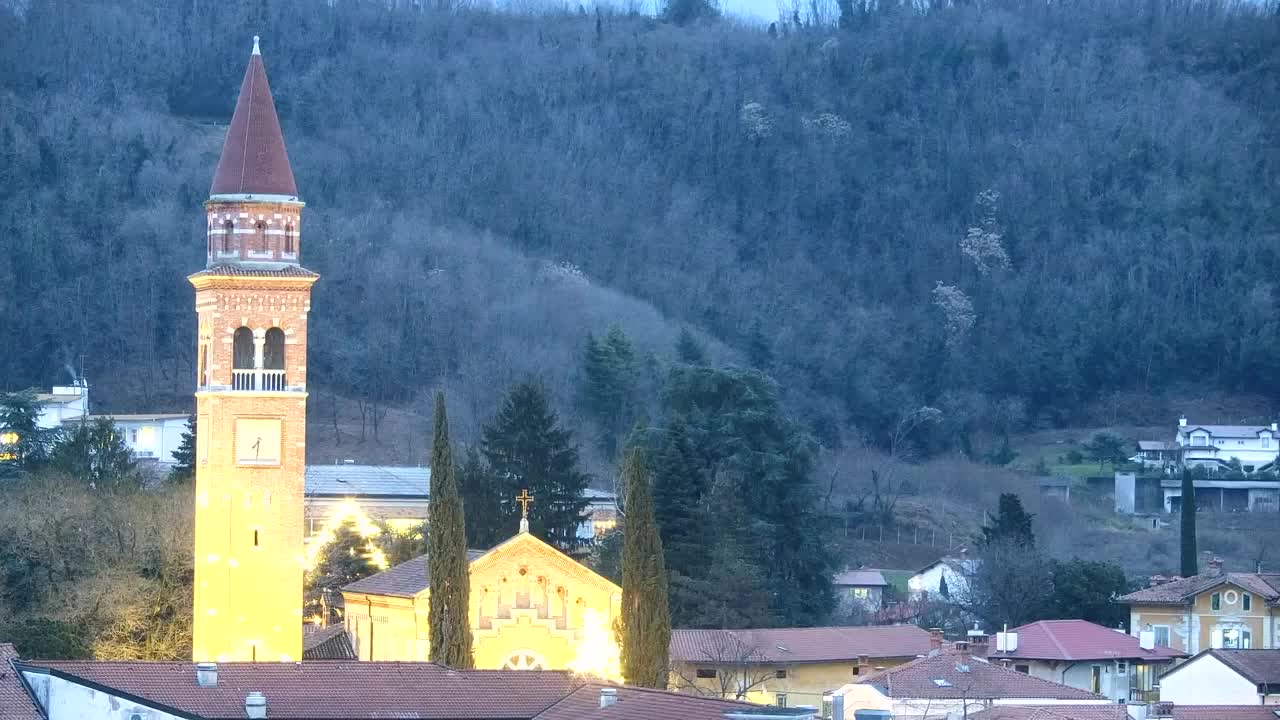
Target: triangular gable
<point>530,543</point>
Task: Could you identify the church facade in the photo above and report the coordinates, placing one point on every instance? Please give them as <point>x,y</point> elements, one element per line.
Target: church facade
<point>532,608</point>
<point>252,301</point>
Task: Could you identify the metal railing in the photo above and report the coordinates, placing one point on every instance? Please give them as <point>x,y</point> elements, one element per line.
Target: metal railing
<point>254,380</point>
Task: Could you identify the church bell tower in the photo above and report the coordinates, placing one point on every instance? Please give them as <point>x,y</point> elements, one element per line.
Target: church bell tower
<point>252,301</point>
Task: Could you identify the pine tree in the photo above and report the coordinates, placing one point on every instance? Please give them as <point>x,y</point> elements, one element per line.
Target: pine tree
<point>527,449</point>
<point>342,561</point>
<point>608,392</point>
<point>678,486</point>
<point>1012,524</point>
<point>689,350</point>
<point>486,523</point>
<point>184,465</point>
<point>1190,561</point>
<point>645,619</point>
<point>448,571</point>
<point>96,453</point>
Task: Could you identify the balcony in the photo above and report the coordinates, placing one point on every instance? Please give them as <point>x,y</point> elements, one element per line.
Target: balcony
<point>258,380</point>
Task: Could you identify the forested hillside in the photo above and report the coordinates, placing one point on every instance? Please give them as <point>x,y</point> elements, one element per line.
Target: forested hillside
<point>1001,209</point>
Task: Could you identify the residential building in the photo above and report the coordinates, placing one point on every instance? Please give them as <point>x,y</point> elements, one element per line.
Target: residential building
<point>946,577</point>
<point>1216,448</point>
<point>1224,677</point>
<point>1052,712</point>
<point>1214,609</point>
<point>1214,712</point>
<point>1089,657</point>
<point>63,403</point>
<point>150,436</point>
<point>954,683</point>
<point>788,666</point>
<point>127,690</point>
<point>399,494</point>
<point>859,591</point>
<point>15,703</point>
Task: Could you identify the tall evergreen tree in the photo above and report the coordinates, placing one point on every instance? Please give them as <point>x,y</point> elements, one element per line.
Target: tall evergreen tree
<point>645,619</point>
<point>449,573</point>
<point>525,447</point>
<point>23,443</point>
<point>678,487</point>
<point>689,350</point>
<point>486,523</point>
<point>96,453</point>
<point>1012,524</point>
<point>1190,559</point>
<point>608,392</point>
<point>184,465</point>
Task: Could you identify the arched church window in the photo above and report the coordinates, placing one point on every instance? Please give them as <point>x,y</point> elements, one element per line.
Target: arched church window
<point>273,351</point>
<point>243,374</point>
<point>288,239</point>
<point>260,239</point>
<point>228,235</point>
<point>524,660</point>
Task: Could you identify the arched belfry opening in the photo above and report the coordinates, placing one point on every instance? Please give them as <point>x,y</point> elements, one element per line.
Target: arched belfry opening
<point>273,360</point>
<point>228,236</point>
<point>260,237</point>
<point>242,360</point>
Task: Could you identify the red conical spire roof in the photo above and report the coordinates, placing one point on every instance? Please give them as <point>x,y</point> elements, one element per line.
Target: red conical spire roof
<point>254,161</point>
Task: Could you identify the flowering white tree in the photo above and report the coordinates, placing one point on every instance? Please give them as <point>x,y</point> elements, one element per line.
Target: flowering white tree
<point>755,119</point>
<point>983,243</point>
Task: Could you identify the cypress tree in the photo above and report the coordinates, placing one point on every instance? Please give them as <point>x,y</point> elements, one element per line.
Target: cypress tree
<point>1190,566</point>
<point>447,567</point>
<point>646,620</point>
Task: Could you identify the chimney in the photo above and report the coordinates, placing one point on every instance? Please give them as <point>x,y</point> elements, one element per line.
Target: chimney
<point>1147,639</point>
<point>935,641</point>
<point>1156,580</point>
<point>1182,421</point>
<point>1214,567</point>
<point>962,649</point>
<point>864,665</point>
<point>255,705</point>
<point>1275,427</point>
<point>980,645</point>
<point>608,696</point>
<point>207,674</point>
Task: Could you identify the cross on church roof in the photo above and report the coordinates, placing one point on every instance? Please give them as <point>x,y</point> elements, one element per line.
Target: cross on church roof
<point>524,498</point>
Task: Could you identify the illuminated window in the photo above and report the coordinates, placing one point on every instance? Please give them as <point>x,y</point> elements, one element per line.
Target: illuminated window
<point>9,437</point>
<point>861,593</point>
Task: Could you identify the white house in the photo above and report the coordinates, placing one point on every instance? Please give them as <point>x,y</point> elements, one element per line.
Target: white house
<point>1215,446</point>
<point>945,577</point>
<point>151,436</point>
<point>63,403</point>
<point>1224,677</point>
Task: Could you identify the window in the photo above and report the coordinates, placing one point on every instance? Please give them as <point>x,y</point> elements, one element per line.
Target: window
<point>780,700</point>
<point>273,350</point>
<point>861,593</point>
<point>255,538</point>
<point>1246,601</point>
<point>260,240</point>
<point>1215,601</point>
<point>857,670</point>
<point>288,239</point>
<point>1024,669</point>
<point>706,673</point>
<point>1095,679</point>
<point>1266,441</point>
<point>780,673</point>
<point>1162,635</point>
<point>1122,667</point>
<point>133,435</point>
<point>228,235</point>
<point>1230,597</point>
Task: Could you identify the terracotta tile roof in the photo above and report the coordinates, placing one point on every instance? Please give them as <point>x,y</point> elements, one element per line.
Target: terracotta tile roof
<point>1183,590</point>
<point>324,690</point>
<point>404,580</point>
<point>1110,711</point>
<point>250,270</point>
<point>15,703</point>
<point>1080,640</point>
<point>860,577</point>
<point>1225,712</point>
<point>254,160</point>
<point>642,704</point>
<point>330,643</point>
<point>940,677</point>
<point>1257,666</point>
<point>798,645</point>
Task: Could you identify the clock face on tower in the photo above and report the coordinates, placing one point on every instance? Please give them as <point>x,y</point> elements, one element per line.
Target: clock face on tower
<point>257,441</point>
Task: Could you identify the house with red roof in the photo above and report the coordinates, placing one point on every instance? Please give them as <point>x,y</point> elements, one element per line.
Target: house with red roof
<point>1224,677</point>
<point>339,690</point>
<point>953,683</point>
<point>1088,656</point>
<point>1214,609</point>
<point>789,666</point>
